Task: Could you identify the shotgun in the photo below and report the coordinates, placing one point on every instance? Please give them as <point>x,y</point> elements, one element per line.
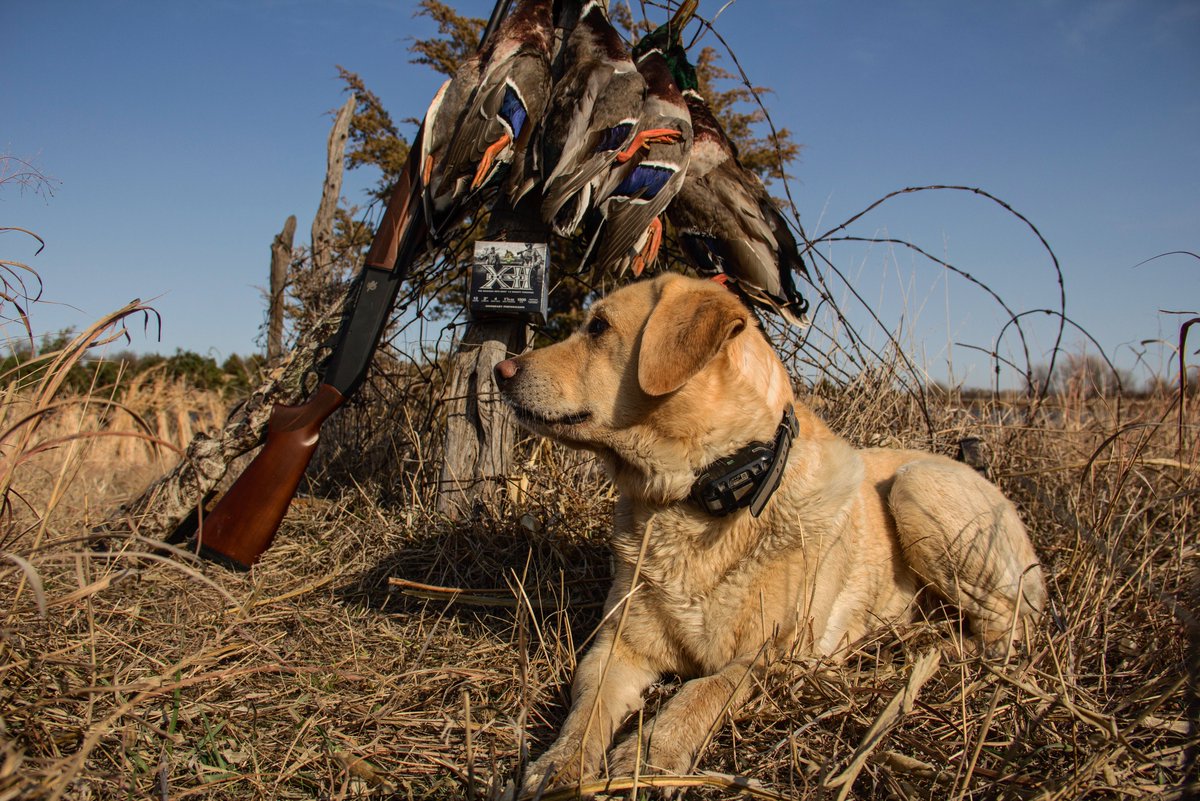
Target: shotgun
<point>244,521</point>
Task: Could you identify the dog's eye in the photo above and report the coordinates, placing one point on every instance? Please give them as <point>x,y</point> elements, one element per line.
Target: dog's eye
<point>597,326</point>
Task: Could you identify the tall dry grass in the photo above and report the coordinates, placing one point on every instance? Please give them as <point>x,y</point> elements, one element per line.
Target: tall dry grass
<point>379,651</point>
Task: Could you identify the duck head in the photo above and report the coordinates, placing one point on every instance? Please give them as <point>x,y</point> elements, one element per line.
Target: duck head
<point>670,33</point>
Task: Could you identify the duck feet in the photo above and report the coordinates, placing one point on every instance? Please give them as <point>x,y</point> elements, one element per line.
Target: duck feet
<point>649,251</point>
<point>643,139</point>
<point>489,157</point>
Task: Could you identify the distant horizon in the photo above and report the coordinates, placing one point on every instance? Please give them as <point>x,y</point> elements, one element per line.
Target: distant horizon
<point>1071,365</point>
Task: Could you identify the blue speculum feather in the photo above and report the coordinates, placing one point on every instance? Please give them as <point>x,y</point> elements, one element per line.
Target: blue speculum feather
<point>644,181</point>
<point>614,137</point>
<point>512,111</point>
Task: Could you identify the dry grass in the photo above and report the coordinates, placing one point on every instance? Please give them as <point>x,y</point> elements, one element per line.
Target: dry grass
<point>134,674</point>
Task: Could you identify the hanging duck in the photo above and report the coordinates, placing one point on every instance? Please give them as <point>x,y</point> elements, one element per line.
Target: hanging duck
<point>649,166</point>
<point>728,223</point>
<point>484,117</point>
<point>590,118</point>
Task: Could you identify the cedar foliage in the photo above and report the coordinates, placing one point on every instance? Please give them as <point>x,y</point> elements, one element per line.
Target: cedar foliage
<point>457,38</point>
<point>374,139</point>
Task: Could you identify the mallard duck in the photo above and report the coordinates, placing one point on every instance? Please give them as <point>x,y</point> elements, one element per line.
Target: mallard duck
<point>728,223</point>
<point>593,109</point>
<point>484,117</point>
<point>649,168</point>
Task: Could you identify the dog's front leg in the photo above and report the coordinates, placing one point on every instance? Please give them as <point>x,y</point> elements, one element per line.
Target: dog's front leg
<point>672,740</point>
<point>608,685</point>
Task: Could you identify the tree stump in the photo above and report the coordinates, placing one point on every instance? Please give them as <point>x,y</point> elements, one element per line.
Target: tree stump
<point>481,431</point>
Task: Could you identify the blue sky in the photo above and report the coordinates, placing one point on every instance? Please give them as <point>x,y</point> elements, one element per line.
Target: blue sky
<point>180,135</point>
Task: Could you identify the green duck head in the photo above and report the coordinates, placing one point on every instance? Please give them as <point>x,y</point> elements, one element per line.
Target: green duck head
<point>681,69</point>
<point>668,34</point>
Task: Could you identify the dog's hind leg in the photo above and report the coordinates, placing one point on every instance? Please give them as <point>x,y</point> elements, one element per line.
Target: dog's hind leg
<point>964,538</point>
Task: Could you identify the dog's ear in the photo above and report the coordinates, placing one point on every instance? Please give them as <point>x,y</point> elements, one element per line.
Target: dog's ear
<point>685,331</point>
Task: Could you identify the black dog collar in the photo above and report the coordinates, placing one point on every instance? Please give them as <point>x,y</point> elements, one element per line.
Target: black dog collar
<point>749,476</point>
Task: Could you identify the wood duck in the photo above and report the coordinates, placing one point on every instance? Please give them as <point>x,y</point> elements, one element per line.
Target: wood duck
<point>728,223</point>
<point>649,170</point>
<point>484,117</point>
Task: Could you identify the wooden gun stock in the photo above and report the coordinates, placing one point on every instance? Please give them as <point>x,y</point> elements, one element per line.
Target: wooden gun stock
<point>243,524</point>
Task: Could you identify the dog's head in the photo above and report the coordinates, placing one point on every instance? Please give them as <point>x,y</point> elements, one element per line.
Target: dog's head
<point>663,377</point>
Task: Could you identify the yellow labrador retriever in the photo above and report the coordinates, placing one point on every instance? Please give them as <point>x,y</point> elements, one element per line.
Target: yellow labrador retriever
<point>743,524</point>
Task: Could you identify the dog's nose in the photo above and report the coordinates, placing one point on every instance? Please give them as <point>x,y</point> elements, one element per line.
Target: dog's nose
<point>506,371</point>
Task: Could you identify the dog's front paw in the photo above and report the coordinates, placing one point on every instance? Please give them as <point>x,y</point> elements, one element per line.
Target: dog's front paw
<point>551,770</point>
<point>627,758</point>
<point>632,756</point>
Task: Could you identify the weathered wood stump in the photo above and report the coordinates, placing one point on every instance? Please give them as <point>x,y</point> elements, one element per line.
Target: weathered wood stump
<point>481,431</point>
